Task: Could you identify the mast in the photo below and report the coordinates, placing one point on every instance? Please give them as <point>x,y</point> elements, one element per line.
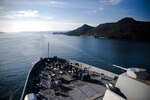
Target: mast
<point>48,49</point>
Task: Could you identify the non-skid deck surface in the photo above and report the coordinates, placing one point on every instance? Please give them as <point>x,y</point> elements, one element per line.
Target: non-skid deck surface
<point>75,89</point>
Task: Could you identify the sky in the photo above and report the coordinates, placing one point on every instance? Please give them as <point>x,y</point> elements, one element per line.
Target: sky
<point>64,15</point>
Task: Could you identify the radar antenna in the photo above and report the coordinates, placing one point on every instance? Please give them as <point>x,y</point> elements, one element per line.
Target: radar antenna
<point>119,67</point>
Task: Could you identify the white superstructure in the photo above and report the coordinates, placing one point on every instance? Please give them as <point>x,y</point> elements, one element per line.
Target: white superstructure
<point>133,84</point>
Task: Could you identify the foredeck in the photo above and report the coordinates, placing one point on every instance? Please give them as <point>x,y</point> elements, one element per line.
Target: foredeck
<point>58,82</point>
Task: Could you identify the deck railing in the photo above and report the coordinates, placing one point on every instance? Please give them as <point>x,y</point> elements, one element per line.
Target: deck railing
<point>95,69</point>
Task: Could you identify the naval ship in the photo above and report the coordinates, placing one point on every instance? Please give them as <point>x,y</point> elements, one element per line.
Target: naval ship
<point>54,78</point>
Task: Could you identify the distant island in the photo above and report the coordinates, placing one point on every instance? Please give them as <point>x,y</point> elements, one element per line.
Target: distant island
<point>2,33</point>
<point>126,28</point>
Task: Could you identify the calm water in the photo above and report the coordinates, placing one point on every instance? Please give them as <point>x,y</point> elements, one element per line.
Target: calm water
<point>19,52</point>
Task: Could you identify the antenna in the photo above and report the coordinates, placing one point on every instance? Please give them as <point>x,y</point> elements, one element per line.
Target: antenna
<point>48,49</point>
<point>119,67</point>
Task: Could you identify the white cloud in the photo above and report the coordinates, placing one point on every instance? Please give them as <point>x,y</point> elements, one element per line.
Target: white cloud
<point>21,15</point>
<point>94,11</point>
<point>16,15</point>
<point>115,1</point>
<point>49,17</point>
<point>91,11</point>
<point>52,3</point>
<point>8,16</point>
<point>57,2</point>
<point>28,13</point>
<point>110,2</point>
<point>1,8</point>
<point>101,8</point>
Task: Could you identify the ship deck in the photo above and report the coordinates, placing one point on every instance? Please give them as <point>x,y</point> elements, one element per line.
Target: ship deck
<point>71,88</point>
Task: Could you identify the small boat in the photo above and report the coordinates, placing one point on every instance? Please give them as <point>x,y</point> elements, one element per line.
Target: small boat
<point>62,79</point>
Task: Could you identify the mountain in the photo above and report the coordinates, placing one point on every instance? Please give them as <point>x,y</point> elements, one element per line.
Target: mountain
<point>83,30</point>
<point>126,28</point>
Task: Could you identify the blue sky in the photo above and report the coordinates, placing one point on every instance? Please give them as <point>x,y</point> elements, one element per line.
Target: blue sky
<point>63,15</point>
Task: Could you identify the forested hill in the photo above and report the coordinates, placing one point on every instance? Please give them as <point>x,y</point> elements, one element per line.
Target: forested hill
<point>126,28</point>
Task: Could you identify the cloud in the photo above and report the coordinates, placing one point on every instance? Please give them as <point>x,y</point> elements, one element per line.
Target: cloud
<point>91,11</point>
<point>17,15</point>
<point>115,1</point>
<point>101,8</point>
<point>95,10</point>
<point>28,13</point>
<point>49,17</point>
<point>110,2</point>
<point>57,2</point>
<point>52,3</point>
<point>45,17</point>
<point>24,14</point>
<point>1,8</point>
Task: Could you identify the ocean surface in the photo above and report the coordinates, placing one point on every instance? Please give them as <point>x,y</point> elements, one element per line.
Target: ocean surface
<point>19,52</point>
